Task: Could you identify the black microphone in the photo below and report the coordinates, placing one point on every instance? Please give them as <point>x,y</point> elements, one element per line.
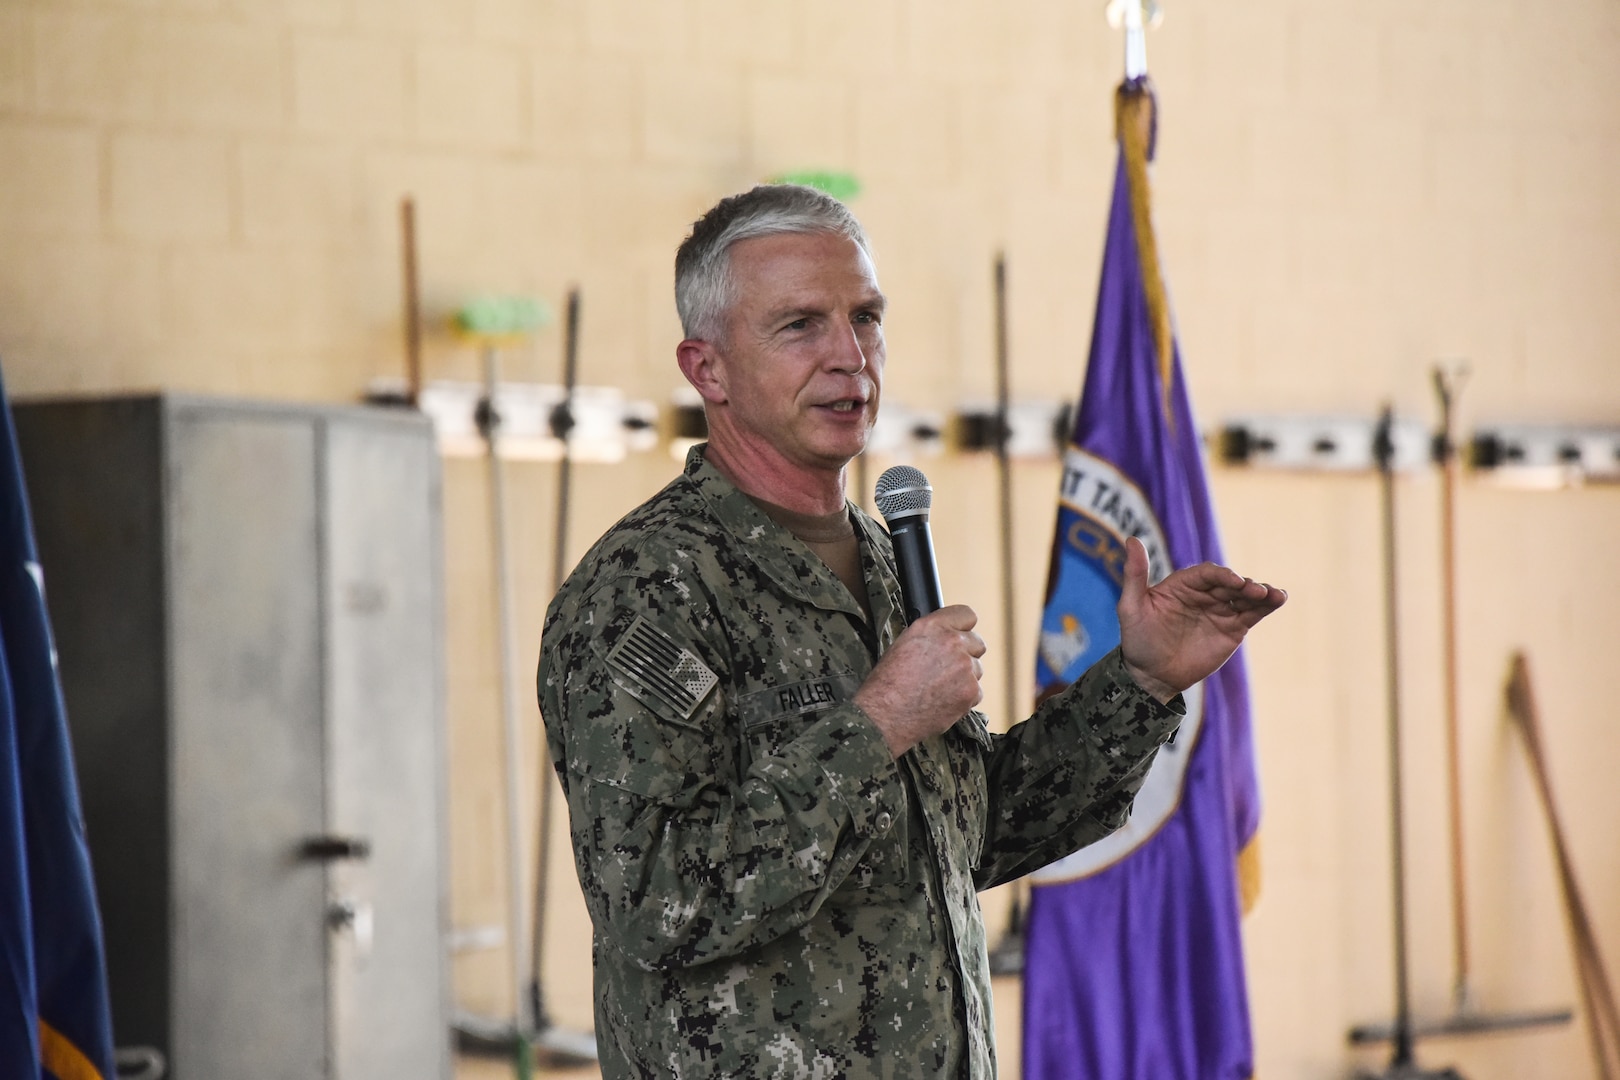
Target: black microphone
<point>903,498</point>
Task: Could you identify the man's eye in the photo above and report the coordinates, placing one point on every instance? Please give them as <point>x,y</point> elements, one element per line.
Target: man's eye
<point>868,317</point>
<point>797,324</point>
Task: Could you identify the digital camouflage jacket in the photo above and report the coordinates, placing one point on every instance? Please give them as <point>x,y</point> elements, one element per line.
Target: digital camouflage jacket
<point>773,894</point>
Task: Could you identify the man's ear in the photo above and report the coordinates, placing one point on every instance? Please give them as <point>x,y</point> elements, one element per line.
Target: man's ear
<point>704,367</point>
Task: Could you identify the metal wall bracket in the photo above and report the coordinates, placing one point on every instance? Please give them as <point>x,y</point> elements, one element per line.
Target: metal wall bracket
<point>1546,456</point>
<point>601,423</point>
<point>904,432</point>
<point>1037,429</point>
<point>1319,443</point>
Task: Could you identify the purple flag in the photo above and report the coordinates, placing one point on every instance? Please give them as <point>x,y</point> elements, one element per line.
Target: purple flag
<point>1134,964</point>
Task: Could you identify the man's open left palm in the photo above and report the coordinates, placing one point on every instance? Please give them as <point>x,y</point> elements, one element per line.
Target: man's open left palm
<point>1184,628</point>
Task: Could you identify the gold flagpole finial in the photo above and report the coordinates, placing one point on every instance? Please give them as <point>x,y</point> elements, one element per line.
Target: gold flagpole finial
<point>1135,17</point>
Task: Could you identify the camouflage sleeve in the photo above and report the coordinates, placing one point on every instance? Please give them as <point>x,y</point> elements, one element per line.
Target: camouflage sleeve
<point>1067,776</point>
<point>683,857</point>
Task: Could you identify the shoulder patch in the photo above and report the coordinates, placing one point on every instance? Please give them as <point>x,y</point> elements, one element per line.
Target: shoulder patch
<point>656,666</point>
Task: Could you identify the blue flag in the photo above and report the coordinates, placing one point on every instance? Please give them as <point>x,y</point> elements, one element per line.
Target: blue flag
<point>1134,965</point>
<point>54,1017</point>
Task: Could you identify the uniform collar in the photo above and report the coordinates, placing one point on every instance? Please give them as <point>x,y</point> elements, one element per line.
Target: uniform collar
<point>784,557</point>
<point>881,585</point>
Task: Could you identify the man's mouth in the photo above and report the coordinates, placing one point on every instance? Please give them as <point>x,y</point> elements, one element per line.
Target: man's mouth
<point>847,405</point>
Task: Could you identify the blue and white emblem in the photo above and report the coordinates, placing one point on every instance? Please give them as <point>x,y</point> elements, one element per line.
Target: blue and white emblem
<point>1100,508</point>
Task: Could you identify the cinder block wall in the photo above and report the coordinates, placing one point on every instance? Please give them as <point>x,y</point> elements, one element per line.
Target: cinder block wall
<point>203,195</point>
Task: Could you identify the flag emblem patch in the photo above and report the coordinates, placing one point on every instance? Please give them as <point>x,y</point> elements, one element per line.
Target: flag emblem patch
<point>657,667</point>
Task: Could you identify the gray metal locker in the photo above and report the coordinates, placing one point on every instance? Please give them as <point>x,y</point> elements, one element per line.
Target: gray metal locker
<point>247,601</point>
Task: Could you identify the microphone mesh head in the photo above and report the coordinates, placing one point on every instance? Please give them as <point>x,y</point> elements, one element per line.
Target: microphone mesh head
<point>902,491</point>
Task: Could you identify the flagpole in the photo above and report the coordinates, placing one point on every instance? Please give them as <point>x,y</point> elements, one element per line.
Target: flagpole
<point>1079,973</point>
<point>1135,17</point>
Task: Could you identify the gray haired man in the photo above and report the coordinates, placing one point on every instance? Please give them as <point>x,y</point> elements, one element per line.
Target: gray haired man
<point>782,801</point>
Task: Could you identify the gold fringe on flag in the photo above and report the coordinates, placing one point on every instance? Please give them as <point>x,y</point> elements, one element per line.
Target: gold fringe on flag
<point>62,1059</point>
<point>1248,873</point>
<point>1133,125</point>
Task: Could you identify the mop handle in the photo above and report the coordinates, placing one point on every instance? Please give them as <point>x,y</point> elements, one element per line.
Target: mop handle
<point>1602,1017</point>
<point>1448,386</point>
<point>1384,453</point>
<point>562,423</point>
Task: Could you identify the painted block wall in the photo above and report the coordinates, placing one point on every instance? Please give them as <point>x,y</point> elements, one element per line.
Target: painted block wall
<point>203,195</point>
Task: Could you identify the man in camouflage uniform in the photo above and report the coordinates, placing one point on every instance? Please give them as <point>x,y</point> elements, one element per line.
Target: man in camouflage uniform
<point>782,803</point>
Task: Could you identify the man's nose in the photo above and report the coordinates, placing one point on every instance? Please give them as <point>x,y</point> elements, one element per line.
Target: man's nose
<point>847,353</point>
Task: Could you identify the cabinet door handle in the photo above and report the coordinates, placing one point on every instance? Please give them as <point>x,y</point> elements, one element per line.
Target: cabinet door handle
<point>327,848</point>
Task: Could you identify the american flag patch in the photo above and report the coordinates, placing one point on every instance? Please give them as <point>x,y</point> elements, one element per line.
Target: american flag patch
<point>655,665</point>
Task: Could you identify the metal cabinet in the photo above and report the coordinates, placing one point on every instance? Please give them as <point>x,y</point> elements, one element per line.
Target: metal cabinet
<point>247,601</point>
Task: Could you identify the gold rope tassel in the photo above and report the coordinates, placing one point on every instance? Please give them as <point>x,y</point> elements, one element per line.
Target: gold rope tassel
<point>1133,123</point>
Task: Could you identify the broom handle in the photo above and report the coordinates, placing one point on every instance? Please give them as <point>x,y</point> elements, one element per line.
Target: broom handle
<point>412,295</point>
<point>491,421</point>
<point>1004,490</point>
<point>1384,453</point>
<point>1448,385</point>
<point>1015,911</point>
<point>1602,1017</point>
<point>562,425</point>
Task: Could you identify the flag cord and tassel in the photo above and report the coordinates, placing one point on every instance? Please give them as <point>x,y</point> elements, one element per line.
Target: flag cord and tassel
<point>1136,123</point>
<point>1136,126</point>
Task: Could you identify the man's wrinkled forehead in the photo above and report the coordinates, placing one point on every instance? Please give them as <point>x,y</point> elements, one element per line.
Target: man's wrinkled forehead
<point>796,263</point>
<point>776,280</point>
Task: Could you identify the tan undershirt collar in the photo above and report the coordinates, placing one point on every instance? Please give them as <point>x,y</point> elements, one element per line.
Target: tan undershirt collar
<point>832,538</point>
